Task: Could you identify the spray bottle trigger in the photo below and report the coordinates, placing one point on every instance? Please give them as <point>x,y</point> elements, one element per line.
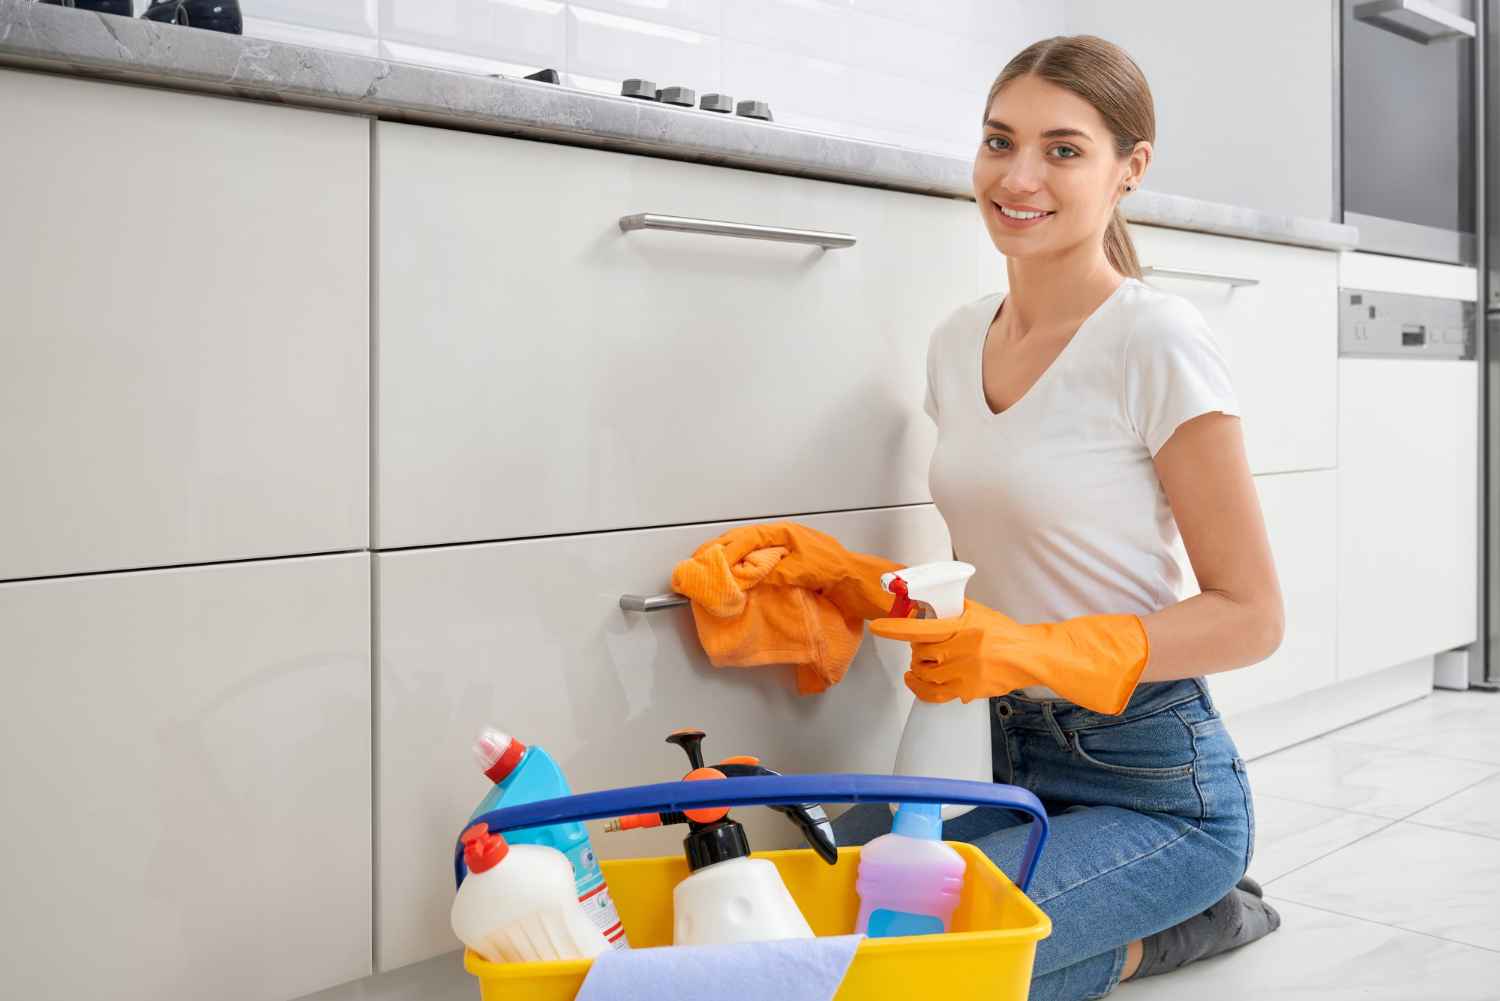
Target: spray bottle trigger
<point>903,604</point>
<point>809,817</point>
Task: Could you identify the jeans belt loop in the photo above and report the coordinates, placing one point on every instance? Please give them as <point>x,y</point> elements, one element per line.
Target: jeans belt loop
<point>1057,732</point>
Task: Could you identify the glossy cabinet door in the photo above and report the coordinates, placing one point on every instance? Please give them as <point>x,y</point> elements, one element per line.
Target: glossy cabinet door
<point>1408,496</point>
<point>184,352</point>
<point>1280,336</point>
<point>540,371</point>
<point>529,636</point>
<point>1300,511</point>
<point>185,768</point>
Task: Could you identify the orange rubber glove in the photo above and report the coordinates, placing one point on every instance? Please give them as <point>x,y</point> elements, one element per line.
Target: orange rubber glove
<point>816,562</point>
<point>1094,660</point>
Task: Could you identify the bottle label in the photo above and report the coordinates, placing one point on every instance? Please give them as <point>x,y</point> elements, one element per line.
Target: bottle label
<point>886,923</point>
<point>594,895</point>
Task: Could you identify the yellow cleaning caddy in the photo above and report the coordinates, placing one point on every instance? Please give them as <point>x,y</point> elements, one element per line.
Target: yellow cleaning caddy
<point>986,956</point>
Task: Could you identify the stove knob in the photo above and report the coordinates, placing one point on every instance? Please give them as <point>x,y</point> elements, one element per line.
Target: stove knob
<point>722,103</point>
<point>545,76</point>
<point>683,97</point>
<point>754,109</point>
<point>642,89</point>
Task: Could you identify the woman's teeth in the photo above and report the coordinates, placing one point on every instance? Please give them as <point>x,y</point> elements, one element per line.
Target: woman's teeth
<point>1022,215</point>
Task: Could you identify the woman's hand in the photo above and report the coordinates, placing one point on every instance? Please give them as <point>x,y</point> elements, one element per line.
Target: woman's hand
<point>1094,660</point>
<point>812,560</point>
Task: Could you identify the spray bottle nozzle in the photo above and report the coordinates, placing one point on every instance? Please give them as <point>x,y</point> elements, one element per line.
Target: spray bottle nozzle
<point>691,742</point>
<point>938,588</point>
<point>706,822</point>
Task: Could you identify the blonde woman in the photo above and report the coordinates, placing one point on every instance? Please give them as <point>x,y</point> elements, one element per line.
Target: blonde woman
<point>1085,420</point>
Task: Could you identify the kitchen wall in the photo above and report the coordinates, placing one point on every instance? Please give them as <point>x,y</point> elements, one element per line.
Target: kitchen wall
<point>1244,96</point>
<point>909,72</point>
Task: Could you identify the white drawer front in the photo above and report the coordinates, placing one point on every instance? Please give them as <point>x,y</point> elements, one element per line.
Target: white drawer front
<point>1300,509</point>
<point>1281,336</point>
<point>186,779</point>
<point>185,349</point>
<point>541,372</point>
<point>529,636</point>
<point>1408,507</point>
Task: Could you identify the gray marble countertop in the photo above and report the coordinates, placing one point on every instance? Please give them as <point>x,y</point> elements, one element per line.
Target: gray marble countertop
<point>79,42</point>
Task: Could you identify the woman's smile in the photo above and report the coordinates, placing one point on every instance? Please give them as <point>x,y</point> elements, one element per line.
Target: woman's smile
<point>1021,216</point>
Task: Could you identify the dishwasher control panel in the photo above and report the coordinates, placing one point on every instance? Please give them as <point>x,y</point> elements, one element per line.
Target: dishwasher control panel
<point>1392,325</point>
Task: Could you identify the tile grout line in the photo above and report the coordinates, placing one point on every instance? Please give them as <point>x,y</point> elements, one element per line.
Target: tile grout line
<point>1389,823</point>
<point>1450,830</point>
<point>1335,739</point>
<point>1334,851</point>
<point>1444,799</point>
<point>1385,924</point>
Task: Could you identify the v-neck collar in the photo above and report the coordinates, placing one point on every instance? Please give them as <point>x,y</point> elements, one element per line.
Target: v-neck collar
<point>983,339</point>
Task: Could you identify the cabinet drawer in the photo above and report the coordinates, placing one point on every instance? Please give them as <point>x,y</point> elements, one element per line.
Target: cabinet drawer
<point>542,372</point>
<point>186,779</point>
<point>1300,511</point>
<point>529,636</point>
<point>1280,336</point>
<point>1408,510</point>
<point>184,357</point>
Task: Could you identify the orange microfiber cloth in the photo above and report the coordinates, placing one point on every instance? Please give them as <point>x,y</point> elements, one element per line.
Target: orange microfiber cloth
<point>741,624</point>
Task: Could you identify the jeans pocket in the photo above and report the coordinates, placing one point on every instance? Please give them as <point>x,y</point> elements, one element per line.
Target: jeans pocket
<point>1156,747</point>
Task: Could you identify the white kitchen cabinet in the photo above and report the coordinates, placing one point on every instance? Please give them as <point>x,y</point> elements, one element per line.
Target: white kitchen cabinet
<point>184,351</point>
<point>1408,496</point>
<point>542,372</point>
<point>1280,336</point>
<point>1300,511</point>
<point>1244,96</point>
<point>529,636</point>
<point>185,768</point>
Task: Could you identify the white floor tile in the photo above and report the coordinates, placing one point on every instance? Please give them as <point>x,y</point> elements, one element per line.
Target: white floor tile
<point>1289,834</point>
<point>1422,879</point>
<point>1319,956</point>
<point>1363,778</point>
<point>1476,810</point>
<point>1450,724</point>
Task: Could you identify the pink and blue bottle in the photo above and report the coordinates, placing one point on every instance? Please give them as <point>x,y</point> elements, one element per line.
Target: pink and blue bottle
<point>909,880</point>
<point>526,774</point>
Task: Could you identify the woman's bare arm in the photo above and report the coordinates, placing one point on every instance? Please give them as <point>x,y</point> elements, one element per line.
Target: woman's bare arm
<point>1238,619</point>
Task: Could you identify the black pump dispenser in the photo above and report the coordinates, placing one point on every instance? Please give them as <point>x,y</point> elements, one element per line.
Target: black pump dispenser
<point>723,839</point>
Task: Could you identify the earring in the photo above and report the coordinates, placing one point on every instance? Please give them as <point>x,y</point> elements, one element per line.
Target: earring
<point>1129,187</point>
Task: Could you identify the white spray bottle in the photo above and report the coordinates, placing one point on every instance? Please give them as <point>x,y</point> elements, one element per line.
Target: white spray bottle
<point>946,740</point>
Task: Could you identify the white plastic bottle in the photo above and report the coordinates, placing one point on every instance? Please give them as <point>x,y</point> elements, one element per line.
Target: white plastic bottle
<point>518,903</point>
<point>946,740</point>
<point>737,900</point>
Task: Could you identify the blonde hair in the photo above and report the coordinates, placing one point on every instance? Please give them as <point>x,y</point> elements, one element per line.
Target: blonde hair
<point>1102,74</point>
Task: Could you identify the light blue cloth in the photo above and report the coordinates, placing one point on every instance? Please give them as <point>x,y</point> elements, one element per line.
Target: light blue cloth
<point>797,969</point>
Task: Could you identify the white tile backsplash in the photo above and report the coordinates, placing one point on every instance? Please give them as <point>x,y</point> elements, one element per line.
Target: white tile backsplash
<point>609,45</point>
<point>531,33</point>
<point>908,72</point>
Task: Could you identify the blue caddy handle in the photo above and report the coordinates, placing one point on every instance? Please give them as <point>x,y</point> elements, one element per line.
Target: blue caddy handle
<point>759,790</point>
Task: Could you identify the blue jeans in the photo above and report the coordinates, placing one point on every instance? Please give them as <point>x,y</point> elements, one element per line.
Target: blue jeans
<point>1151,820</point>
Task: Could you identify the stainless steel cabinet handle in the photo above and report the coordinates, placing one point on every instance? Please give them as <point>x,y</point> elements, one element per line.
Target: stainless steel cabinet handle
<point>651,603</point>
<point>744,230</point>
<point>1199,276</point>
<point>1418,20</point>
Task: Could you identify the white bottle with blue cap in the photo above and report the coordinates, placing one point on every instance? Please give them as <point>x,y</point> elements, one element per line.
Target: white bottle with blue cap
<point>909,881</point>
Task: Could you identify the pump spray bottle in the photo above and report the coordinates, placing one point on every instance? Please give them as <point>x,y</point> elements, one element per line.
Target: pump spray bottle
<point>946,740</point>
<point>730,896</point>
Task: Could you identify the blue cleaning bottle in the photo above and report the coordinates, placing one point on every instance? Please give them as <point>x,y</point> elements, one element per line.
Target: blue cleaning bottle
<point>525,774</point>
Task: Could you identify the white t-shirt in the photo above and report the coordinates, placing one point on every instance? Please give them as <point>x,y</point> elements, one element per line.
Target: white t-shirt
<point>1055,500</point>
